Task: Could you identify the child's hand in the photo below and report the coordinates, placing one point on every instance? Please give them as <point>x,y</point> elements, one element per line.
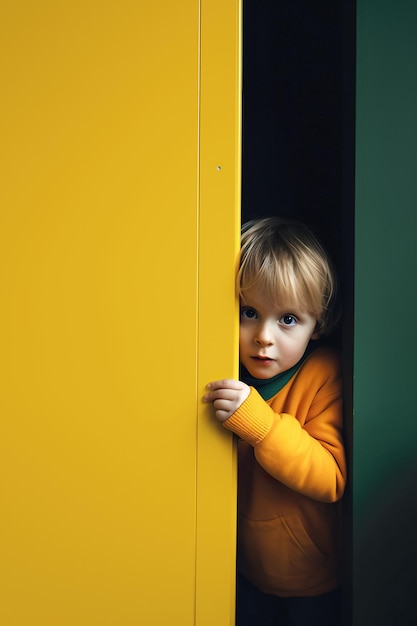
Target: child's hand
<point>226,396</point>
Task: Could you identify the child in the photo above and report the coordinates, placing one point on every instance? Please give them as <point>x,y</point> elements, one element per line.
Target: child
<point>287,412</point>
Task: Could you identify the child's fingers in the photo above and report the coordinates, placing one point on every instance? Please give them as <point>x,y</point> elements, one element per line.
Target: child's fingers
<point>225,383</point>
<point>222,404</point>
<point>220,394</point>
<point>222,416</point>
<point>217,388</point>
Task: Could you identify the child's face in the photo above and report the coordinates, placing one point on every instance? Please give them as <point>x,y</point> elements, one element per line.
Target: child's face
<point>272,339</point>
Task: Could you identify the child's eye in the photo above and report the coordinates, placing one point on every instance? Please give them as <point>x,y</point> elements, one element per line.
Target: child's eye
<point>248,313</point>
<point>288,320</point>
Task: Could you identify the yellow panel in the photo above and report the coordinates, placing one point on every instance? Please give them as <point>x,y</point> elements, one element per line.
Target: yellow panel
<point>98,273</point>
<point>219,233</point>
<point>117,251</point>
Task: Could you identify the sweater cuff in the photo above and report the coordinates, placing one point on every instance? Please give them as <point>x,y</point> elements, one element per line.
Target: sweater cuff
<point>253,420</point>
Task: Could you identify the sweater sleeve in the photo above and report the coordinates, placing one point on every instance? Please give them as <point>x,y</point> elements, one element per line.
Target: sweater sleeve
<point>304,451</point>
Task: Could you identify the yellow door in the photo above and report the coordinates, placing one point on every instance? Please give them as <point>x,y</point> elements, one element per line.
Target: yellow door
<point>118,239</point>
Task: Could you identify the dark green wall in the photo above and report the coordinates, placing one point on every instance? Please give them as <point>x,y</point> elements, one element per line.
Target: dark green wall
<point>385,344</point>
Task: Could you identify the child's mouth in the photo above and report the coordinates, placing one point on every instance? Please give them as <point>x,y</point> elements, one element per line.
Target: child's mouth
<point>262,359</point>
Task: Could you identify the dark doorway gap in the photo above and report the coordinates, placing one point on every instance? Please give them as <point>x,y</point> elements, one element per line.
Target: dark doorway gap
<point>298,146</point>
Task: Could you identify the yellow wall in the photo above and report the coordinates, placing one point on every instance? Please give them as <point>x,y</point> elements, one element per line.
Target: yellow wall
<point>118,239</point>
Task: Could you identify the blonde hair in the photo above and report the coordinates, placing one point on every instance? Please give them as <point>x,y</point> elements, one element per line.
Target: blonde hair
<point>289,262</point>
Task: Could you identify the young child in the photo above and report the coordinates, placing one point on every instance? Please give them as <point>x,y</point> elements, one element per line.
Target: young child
<point>287,412</point>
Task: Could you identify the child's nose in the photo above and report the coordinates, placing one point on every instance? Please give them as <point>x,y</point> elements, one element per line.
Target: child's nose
<point>264,336</point>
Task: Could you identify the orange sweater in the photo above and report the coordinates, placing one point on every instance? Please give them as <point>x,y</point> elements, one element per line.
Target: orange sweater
<point>292,472</point>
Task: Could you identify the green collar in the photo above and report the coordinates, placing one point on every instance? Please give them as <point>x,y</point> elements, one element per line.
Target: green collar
<point>269,387</point>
